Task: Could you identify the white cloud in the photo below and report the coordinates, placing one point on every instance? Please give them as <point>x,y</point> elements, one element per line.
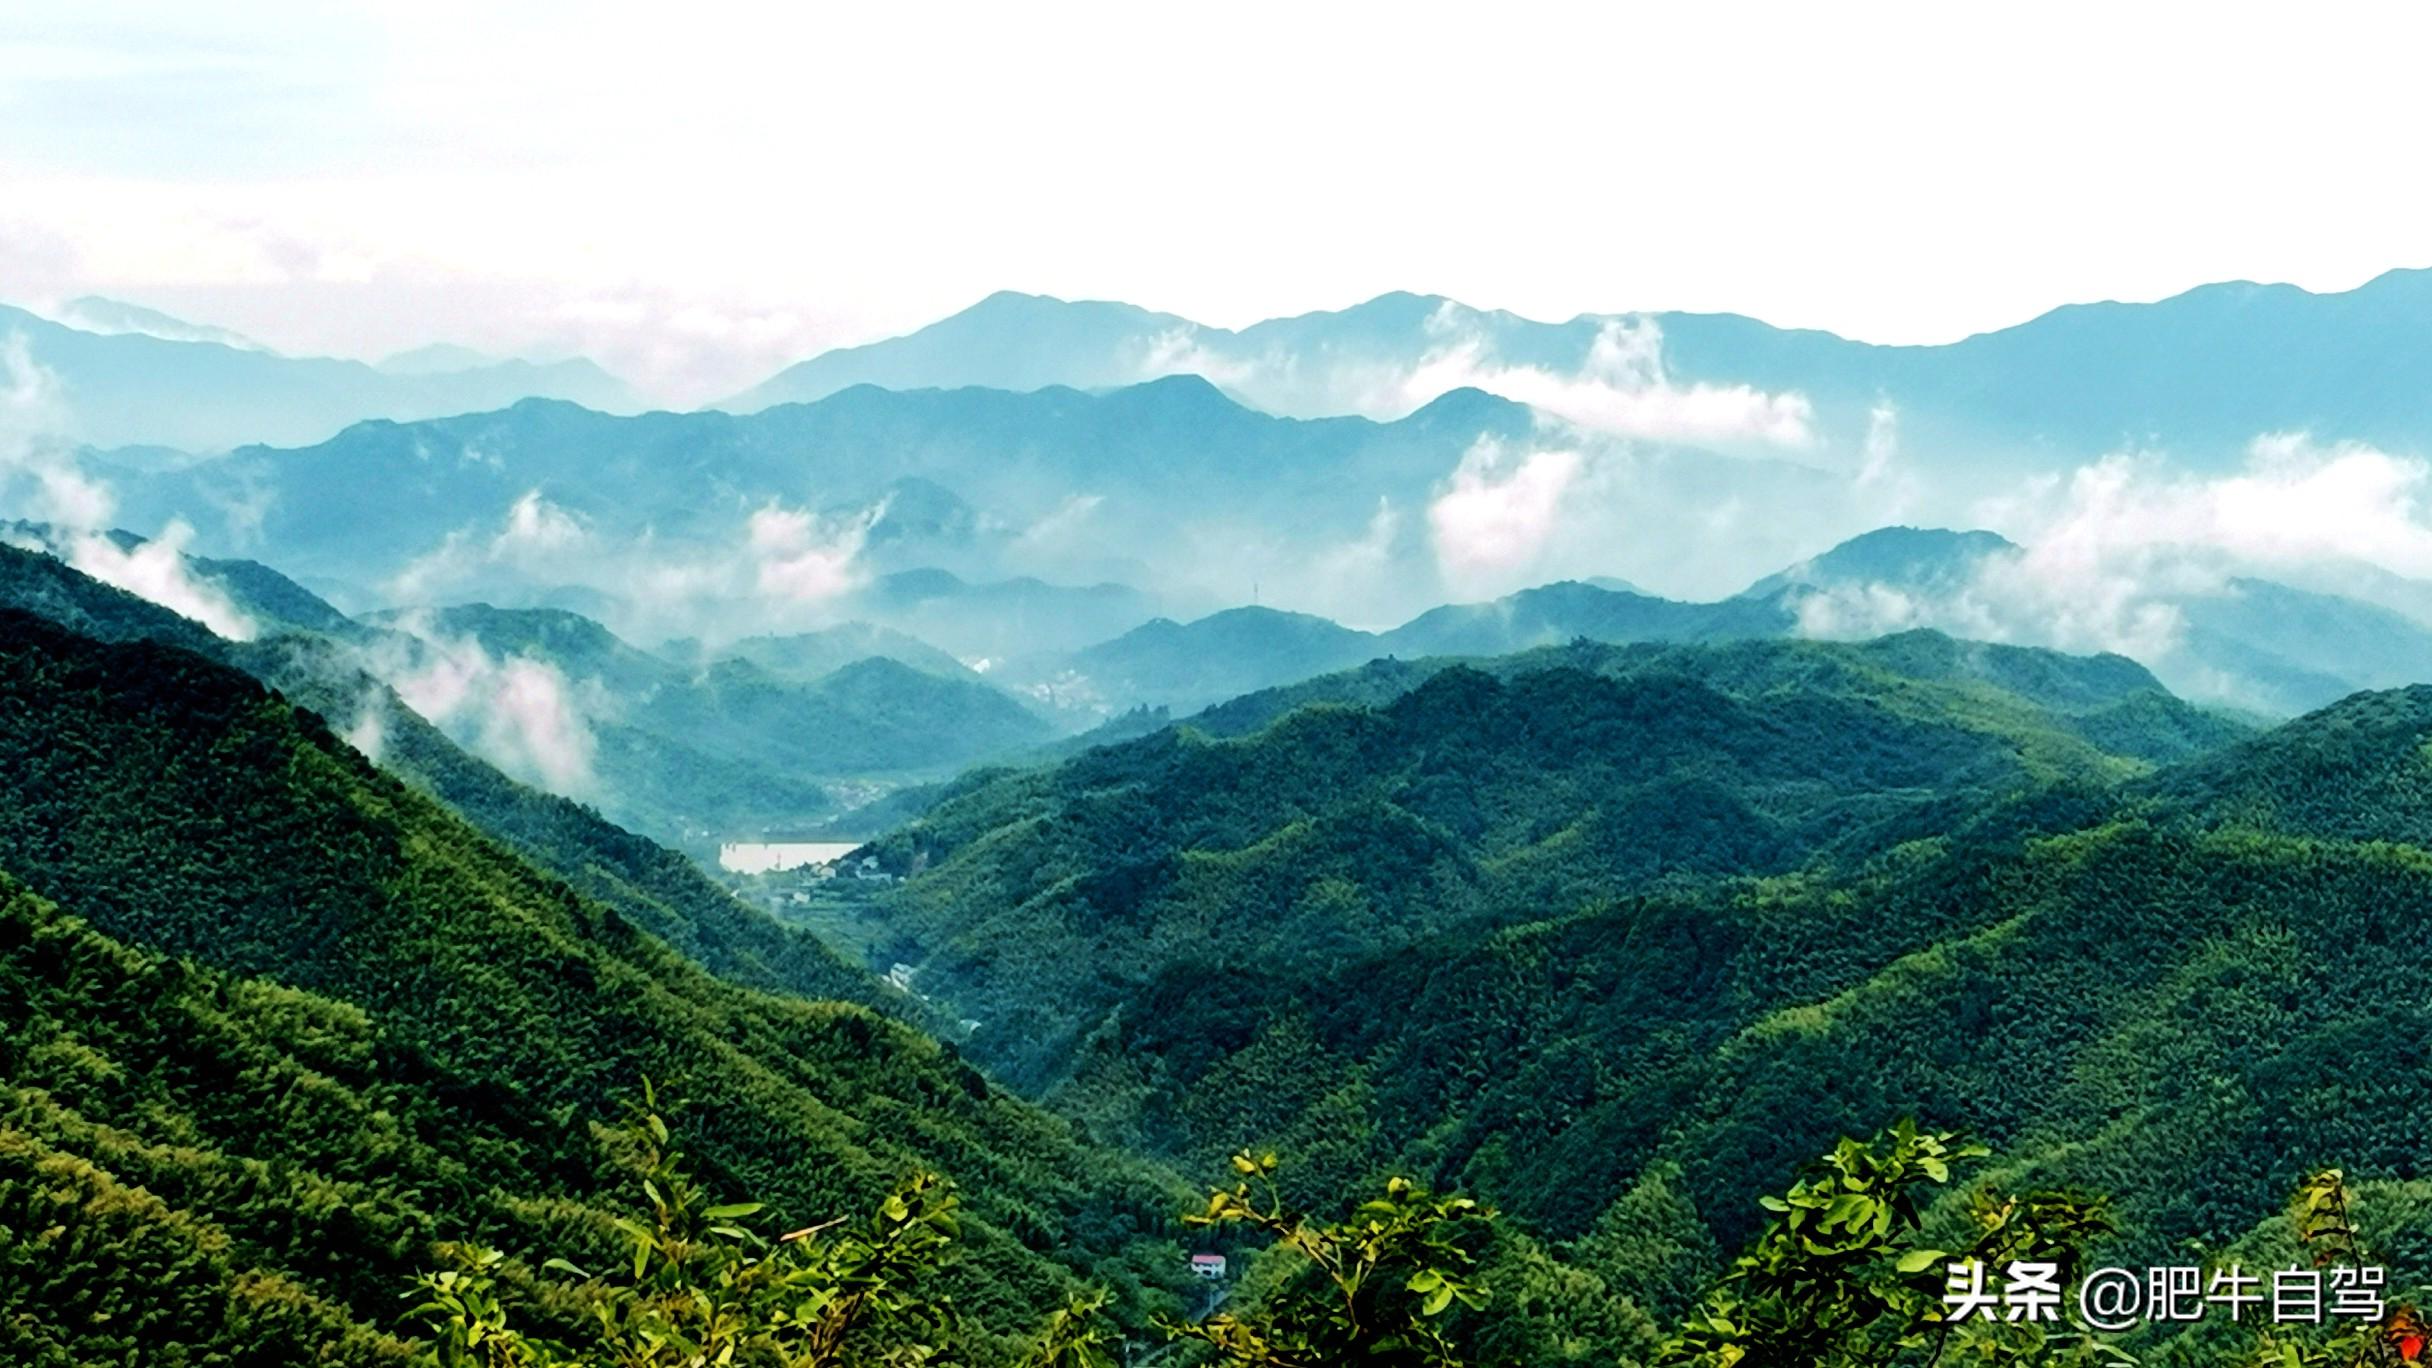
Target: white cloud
<point>41,477</point>
<point>786,568</point>
<point>531,705</point>
<point>2302,500</point>
<point>804,560</point>
<point>1491,525</point>
<point>536,540</point>
<point>1368,555</point>
<point>157,570</point>
<point>1621,387</point>
<point>1072,533</point>
<point>521,714</point>
<point>38,468</point>
<point>1624,388</point>
<point>1363,581</point>
<point>1182,351</point>
<point>2112,554</point>
<point>1890,487</point>
<point>537,528</point>
<point>368,732</point>
<point>2296,502</point>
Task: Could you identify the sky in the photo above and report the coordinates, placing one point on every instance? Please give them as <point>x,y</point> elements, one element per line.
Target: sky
<point>699,194</point>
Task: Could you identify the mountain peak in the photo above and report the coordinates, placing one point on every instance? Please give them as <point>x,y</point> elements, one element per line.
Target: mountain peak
<point>1011,302</point>
<point>1907,540</point>
<point>1402,304</point>
<point>1470,407</point>
<point>96,314</point>
<point>1187,391</point>
<point>1906,557</point>
<point>1037,310</point>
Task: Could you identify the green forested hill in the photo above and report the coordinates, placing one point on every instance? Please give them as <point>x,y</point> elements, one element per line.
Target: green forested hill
<point>576,645</point>
<point>1613,937</point>
<point>873,716</point>
<point>711,746</point>
<point>805,656</point>
<point>1332,934</point>
<point>44,585</point>
<point>1455,795</point>
<point>446,1019</point>
<point>659,889</point>
<point>2037,697</point>
<point>2187,1020</point>
<point>2360,769</point>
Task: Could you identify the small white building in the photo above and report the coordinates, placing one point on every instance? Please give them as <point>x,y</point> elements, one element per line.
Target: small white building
<point>1208,1266</point>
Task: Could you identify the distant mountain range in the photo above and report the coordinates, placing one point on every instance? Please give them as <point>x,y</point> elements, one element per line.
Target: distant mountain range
<point>1056,529</point>
<point>1181,498</point>
<point>1164,486</point>
<point>111,317</point>
<point>805,656</point>
<point>2270,647</point>
<point>1254,740</point>
<point>2262,646</point>
<point>1614,937</point>
<point>130,376</point>
<point>1362,466</point>
<point>2202,372</point>
<point>1185,666</point>
<point>1078,657</point>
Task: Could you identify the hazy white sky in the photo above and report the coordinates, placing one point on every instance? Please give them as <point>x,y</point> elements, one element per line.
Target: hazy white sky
<point>698,193</point>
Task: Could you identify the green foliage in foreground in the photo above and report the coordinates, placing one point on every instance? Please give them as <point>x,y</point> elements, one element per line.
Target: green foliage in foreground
<point>1844,1274</point>
<point>2324,1225</point>
<point>297,1025</point>
<point>1840,1278</point>
<point>701,1287</point>
<point>1371,1289</point>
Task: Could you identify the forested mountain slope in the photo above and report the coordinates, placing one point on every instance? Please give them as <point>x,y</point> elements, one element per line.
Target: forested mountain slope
<point>2359,770</point>
<point>2181,986</point>
<point>1444,796</point>
<point>2187,1020</point>
<point>699,751</point>
<point>2038,696</point>
<point>444,1016</point>
<point>660,890</point>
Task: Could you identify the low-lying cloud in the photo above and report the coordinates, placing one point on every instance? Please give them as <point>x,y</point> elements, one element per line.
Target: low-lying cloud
<point>42,478</point>
<point>1493,523</point>
<point>158,570</point>
<point>523,715</point>
<point>1624,389</point>
<point>2295,501</point>
<point>784,569</point>
<point>2116,555</point>
<point>39,473</point>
